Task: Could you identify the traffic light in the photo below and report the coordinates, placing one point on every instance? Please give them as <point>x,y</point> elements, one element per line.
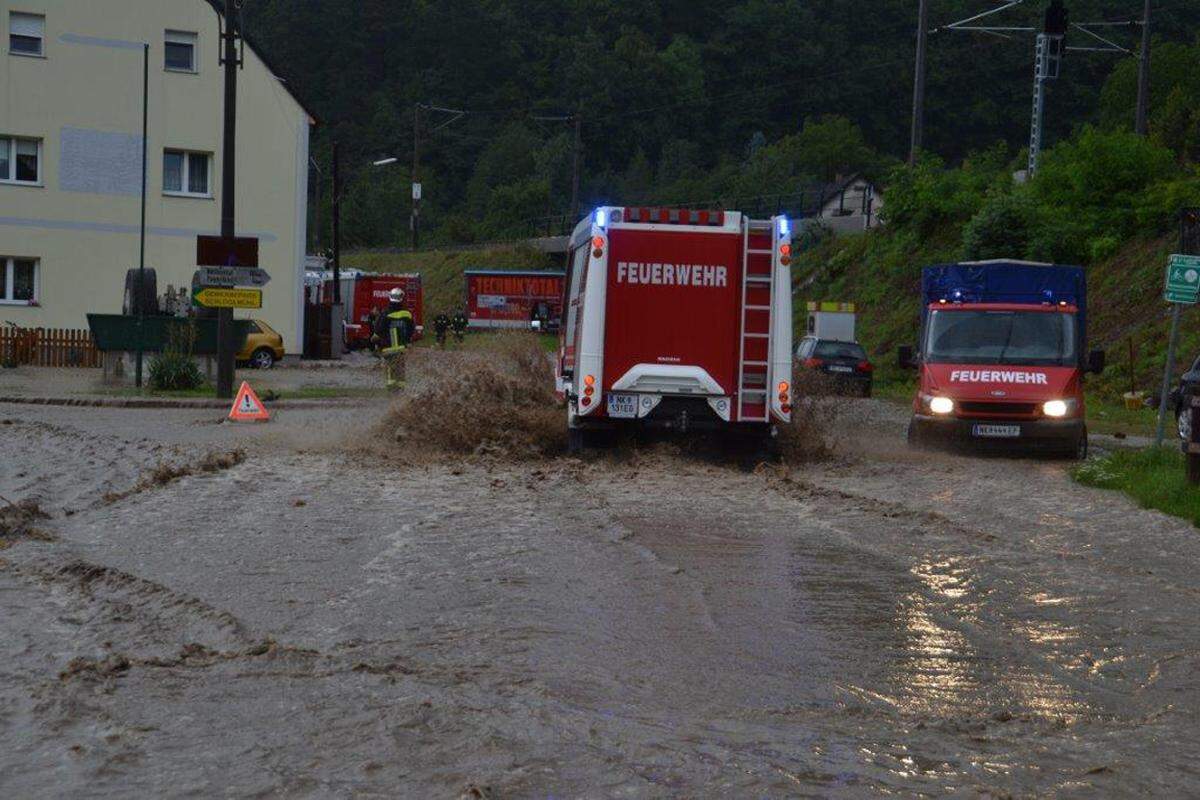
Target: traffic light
<point>1056,19</point>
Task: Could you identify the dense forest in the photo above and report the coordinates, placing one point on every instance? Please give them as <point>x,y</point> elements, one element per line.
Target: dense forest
<point>682,101</point>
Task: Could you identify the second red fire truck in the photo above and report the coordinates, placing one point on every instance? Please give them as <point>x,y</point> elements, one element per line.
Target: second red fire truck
<point>676,318</point>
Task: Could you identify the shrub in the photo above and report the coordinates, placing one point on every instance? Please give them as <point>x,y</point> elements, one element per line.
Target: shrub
<point>1001,229</point>
<point>174,369</point>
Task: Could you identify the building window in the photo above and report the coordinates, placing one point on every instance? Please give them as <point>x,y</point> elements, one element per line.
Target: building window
<point>186,173</point>
<point>20,160</point>
<point>18,281</point>
<point>180,51</point>
<point>26,34</point>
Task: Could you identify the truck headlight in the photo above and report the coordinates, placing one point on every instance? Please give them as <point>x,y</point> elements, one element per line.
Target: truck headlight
<point>940,405</point>
<point>1058,408</point>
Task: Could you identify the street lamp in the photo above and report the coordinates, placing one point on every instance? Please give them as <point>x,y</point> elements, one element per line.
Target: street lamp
<point>416,196</point>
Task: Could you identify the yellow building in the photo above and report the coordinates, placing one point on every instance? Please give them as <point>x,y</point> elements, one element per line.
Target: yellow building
<point>71,147</point>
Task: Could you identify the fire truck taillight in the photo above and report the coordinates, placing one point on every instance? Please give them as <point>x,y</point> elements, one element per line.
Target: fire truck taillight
<point>598,246</point>
<point>784,392</point>
<point>785,254</point>
<point>589,388</point>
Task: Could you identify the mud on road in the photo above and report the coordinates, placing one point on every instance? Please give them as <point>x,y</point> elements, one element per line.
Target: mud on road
<point>306,621</point>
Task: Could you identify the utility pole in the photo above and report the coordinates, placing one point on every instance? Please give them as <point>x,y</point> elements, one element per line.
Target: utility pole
<point>1050,48</point>
<point>225,353</point>
<point>1141,124</point>
<point>337,226</point>
<point>918,104</point>
<point>416,178</point>
<point>575,169</point>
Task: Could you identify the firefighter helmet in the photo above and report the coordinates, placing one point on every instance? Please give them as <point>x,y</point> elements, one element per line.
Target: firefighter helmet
<point>396,295</point>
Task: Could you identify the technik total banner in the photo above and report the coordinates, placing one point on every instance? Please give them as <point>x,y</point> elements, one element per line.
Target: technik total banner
<point>508,300</point>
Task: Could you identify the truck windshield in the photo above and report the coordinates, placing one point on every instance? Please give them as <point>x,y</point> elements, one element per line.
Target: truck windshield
<point>1040,338</point>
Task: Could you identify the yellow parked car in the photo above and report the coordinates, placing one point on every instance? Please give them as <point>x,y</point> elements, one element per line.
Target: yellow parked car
<point>263,346</point>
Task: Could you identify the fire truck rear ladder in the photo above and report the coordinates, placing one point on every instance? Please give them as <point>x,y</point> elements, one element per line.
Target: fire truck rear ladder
<point>757,275</point>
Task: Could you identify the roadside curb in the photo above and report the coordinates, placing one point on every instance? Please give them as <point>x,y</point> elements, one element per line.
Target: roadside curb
<point>151,402</point>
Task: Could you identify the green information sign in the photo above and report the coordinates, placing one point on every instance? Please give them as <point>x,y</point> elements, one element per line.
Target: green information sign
<point>1183,279</point>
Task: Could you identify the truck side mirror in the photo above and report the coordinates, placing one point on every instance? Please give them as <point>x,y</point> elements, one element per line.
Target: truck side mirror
<point>1096,361</point>
<point>905,357</point>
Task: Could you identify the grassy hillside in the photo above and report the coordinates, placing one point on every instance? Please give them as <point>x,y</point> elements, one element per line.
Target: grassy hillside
<point>442,271</point>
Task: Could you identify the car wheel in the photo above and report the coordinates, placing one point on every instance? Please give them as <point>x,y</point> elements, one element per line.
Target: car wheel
<point>262,359</point>
<point>1183,424</point>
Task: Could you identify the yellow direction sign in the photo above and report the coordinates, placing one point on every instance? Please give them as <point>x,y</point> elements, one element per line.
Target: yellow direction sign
<point>221,297</point>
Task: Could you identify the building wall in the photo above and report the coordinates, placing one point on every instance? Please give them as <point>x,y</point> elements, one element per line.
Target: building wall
<point>84,101</point>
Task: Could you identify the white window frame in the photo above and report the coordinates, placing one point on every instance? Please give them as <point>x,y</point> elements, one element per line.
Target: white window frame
<point>12,15</point>
<point>182,37</point>
<point>11,179</point>
<point>8,275</point>
<point>187,166</point>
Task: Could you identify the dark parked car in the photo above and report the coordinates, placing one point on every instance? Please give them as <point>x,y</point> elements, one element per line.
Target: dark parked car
<point>1181,395</point>
<point>844,363</point>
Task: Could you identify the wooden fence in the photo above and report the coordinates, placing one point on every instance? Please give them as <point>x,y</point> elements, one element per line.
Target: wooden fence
<point>48,347</point>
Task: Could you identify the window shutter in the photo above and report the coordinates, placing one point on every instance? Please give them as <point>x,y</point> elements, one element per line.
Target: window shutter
<point>31,25</point>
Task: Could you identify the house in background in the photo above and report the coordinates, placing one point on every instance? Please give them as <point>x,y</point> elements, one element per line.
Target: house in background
<point>850,205</point>
<point>71,158</point>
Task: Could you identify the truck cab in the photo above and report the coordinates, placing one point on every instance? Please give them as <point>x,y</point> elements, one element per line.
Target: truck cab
<point>1001,357</point>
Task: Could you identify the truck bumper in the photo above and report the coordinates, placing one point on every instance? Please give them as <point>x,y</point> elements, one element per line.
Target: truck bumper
<point>1040,435</point>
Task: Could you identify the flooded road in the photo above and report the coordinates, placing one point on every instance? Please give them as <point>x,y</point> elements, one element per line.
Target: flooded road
<point>314,623</point>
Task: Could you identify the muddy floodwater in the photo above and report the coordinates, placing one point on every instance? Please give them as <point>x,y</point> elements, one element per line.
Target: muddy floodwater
<point>309,621</point>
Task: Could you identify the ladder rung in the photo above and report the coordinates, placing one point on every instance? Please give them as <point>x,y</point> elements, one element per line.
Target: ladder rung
<point>757,308</point>
<point>760,252</point>
<point>747,390</point>
<point>759,278</point>
<point>757,335</point>
<point>756,363</point>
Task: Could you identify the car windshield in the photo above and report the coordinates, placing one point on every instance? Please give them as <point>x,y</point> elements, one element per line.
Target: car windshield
<point>1041,338</point>
<point>840,350</point>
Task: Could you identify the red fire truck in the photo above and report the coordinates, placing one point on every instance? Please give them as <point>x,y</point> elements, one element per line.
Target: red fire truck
<point>362,291</point>
<point>1002,357</point>
<point>510,299</point>
<point>676,318</point>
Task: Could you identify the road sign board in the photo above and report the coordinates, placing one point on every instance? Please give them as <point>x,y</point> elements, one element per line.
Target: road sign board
<point>416,191</point>
<point>1183,279</point>
<point>217,251</point>
<point>222,297</point>
<point>231,276</point>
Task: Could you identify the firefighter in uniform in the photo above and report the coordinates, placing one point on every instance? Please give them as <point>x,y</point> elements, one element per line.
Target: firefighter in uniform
<point>396,330</point>
<point>441,323</point>
<point>459,324</point>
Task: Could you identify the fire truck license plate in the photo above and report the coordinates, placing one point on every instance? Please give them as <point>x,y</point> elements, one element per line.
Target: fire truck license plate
<point>997,431</point>
<point>622,406</point>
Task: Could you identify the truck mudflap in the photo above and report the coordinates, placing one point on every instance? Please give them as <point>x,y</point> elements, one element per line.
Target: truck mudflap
<point>1067,436</point>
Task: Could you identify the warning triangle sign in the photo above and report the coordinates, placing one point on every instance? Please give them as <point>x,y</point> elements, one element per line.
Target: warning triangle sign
<point>247,407</point>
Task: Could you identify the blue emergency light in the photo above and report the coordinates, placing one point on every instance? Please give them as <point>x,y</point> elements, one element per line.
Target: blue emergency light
<point>601,217</point>
<point>785,228</point>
